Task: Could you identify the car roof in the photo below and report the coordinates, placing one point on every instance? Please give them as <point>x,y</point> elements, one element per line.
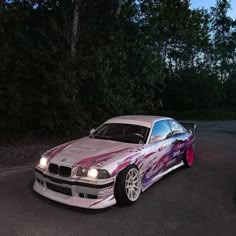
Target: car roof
<point>143,120</point>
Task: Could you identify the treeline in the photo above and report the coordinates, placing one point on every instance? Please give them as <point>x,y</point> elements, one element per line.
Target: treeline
<point>67,64</point>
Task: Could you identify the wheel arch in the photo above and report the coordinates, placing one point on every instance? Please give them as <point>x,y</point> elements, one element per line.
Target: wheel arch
<point>119,192</point>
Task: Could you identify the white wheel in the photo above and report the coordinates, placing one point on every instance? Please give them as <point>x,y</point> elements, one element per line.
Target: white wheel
<point>132,184</point>
<point>128,186</point>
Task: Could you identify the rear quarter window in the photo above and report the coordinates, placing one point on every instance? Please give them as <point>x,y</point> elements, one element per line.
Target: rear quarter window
<point>176,127</point>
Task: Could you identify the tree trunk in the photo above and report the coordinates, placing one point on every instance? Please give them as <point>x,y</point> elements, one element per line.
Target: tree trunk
<point>119,7</point>
<point>75,31</point>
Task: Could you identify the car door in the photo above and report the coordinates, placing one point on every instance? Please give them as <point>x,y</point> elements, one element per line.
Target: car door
<point>160,143</point>
<point>179,136</point>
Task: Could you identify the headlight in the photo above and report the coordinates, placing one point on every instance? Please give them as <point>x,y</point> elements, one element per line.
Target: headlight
<point>43,162</point>
<point>93,173</point>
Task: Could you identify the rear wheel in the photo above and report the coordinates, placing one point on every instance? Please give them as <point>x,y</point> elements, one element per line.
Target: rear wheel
<point>128,186</point>
<point>189,157</point>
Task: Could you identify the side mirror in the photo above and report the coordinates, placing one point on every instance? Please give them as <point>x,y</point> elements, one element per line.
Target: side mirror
<point>91,131</point>
<point>155,139</point>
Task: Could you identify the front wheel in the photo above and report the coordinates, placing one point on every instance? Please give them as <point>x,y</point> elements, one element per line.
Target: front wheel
<point>128,186</point>
<point>189,157</point>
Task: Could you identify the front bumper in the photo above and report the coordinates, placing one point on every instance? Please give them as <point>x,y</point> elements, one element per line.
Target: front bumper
<point>74,193</point>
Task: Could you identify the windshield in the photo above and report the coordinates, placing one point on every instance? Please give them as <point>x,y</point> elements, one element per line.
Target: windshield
<point>127,133</point>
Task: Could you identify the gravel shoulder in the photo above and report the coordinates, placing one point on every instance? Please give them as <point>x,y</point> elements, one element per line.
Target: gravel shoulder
<point>26,150</point>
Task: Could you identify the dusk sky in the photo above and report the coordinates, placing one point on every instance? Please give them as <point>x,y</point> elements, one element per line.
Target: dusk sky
<point>210,3</point>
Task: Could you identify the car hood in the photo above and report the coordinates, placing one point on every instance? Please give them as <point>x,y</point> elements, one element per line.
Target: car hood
<point>88,151</point>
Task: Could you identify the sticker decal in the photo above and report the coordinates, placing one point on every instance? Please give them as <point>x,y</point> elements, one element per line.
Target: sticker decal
<point>105,192</point>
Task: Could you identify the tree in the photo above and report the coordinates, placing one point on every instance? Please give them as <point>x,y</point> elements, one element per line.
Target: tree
<point>222,29</point>
<point>75,30</point>
<point>71,64</point>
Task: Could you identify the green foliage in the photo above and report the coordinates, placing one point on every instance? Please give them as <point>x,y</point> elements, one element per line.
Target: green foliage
<point>154,53</point>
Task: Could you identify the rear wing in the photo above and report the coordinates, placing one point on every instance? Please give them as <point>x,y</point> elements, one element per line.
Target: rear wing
<point>189,126</point>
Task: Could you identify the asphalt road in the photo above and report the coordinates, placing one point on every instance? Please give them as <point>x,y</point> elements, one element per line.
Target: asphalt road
<point>196,201</point>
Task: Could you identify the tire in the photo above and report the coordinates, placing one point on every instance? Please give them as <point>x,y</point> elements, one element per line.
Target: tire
<point>128,186</point>
<point>189,157</point>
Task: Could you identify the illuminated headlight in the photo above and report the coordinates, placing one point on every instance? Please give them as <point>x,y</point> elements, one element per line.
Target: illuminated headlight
<point>93,173</point>
<point>43,162</point>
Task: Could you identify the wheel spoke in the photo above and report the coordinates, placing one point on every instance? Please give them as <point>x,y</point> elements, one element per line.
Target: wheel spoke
<point>136,188</point>
<point>136,180</point>
<point>134,174</point>
<point>130,192</point>
<point>128,177</point>
<point>134,193</point>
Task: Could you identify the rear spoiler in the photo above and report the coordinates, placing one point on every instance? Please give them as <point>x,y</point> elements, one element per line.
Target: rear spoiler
<point>189,126</point>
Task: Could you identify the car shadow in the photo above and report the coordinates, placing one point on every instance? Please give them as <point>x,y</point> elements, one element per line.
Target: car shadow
<point>63,206</point>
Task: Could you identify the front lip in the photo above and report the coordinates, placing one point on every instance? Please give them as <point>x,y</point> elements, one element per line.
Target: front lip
<point>83,184</point>
<point>77,201</point>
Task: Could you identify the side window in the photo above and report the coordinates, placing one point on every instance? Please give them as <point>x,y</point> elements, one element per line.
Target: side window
<point>161,130</point>
<point>176,127</point>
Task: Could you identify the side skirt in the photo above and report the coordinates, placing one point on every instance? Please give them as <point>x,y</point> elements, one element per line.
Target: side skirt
<point>159,176</point>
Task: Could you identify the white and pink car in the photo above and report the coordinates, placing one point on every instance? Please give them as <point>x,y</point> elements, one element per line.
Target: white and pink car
<point>116,162</point>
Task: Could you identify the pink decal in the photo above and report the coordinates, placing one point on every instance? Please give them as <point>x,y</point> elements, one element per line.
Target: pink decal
<point>52,153</point>
<point>129,157</point>
<point>148,155</point>
<point>73,172</point>
<point>152,160</point>
<point>120,167</point>
<point>102,157</point>
<point>161,160</point>
<point>139,162</point>
<point>123,164</point>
